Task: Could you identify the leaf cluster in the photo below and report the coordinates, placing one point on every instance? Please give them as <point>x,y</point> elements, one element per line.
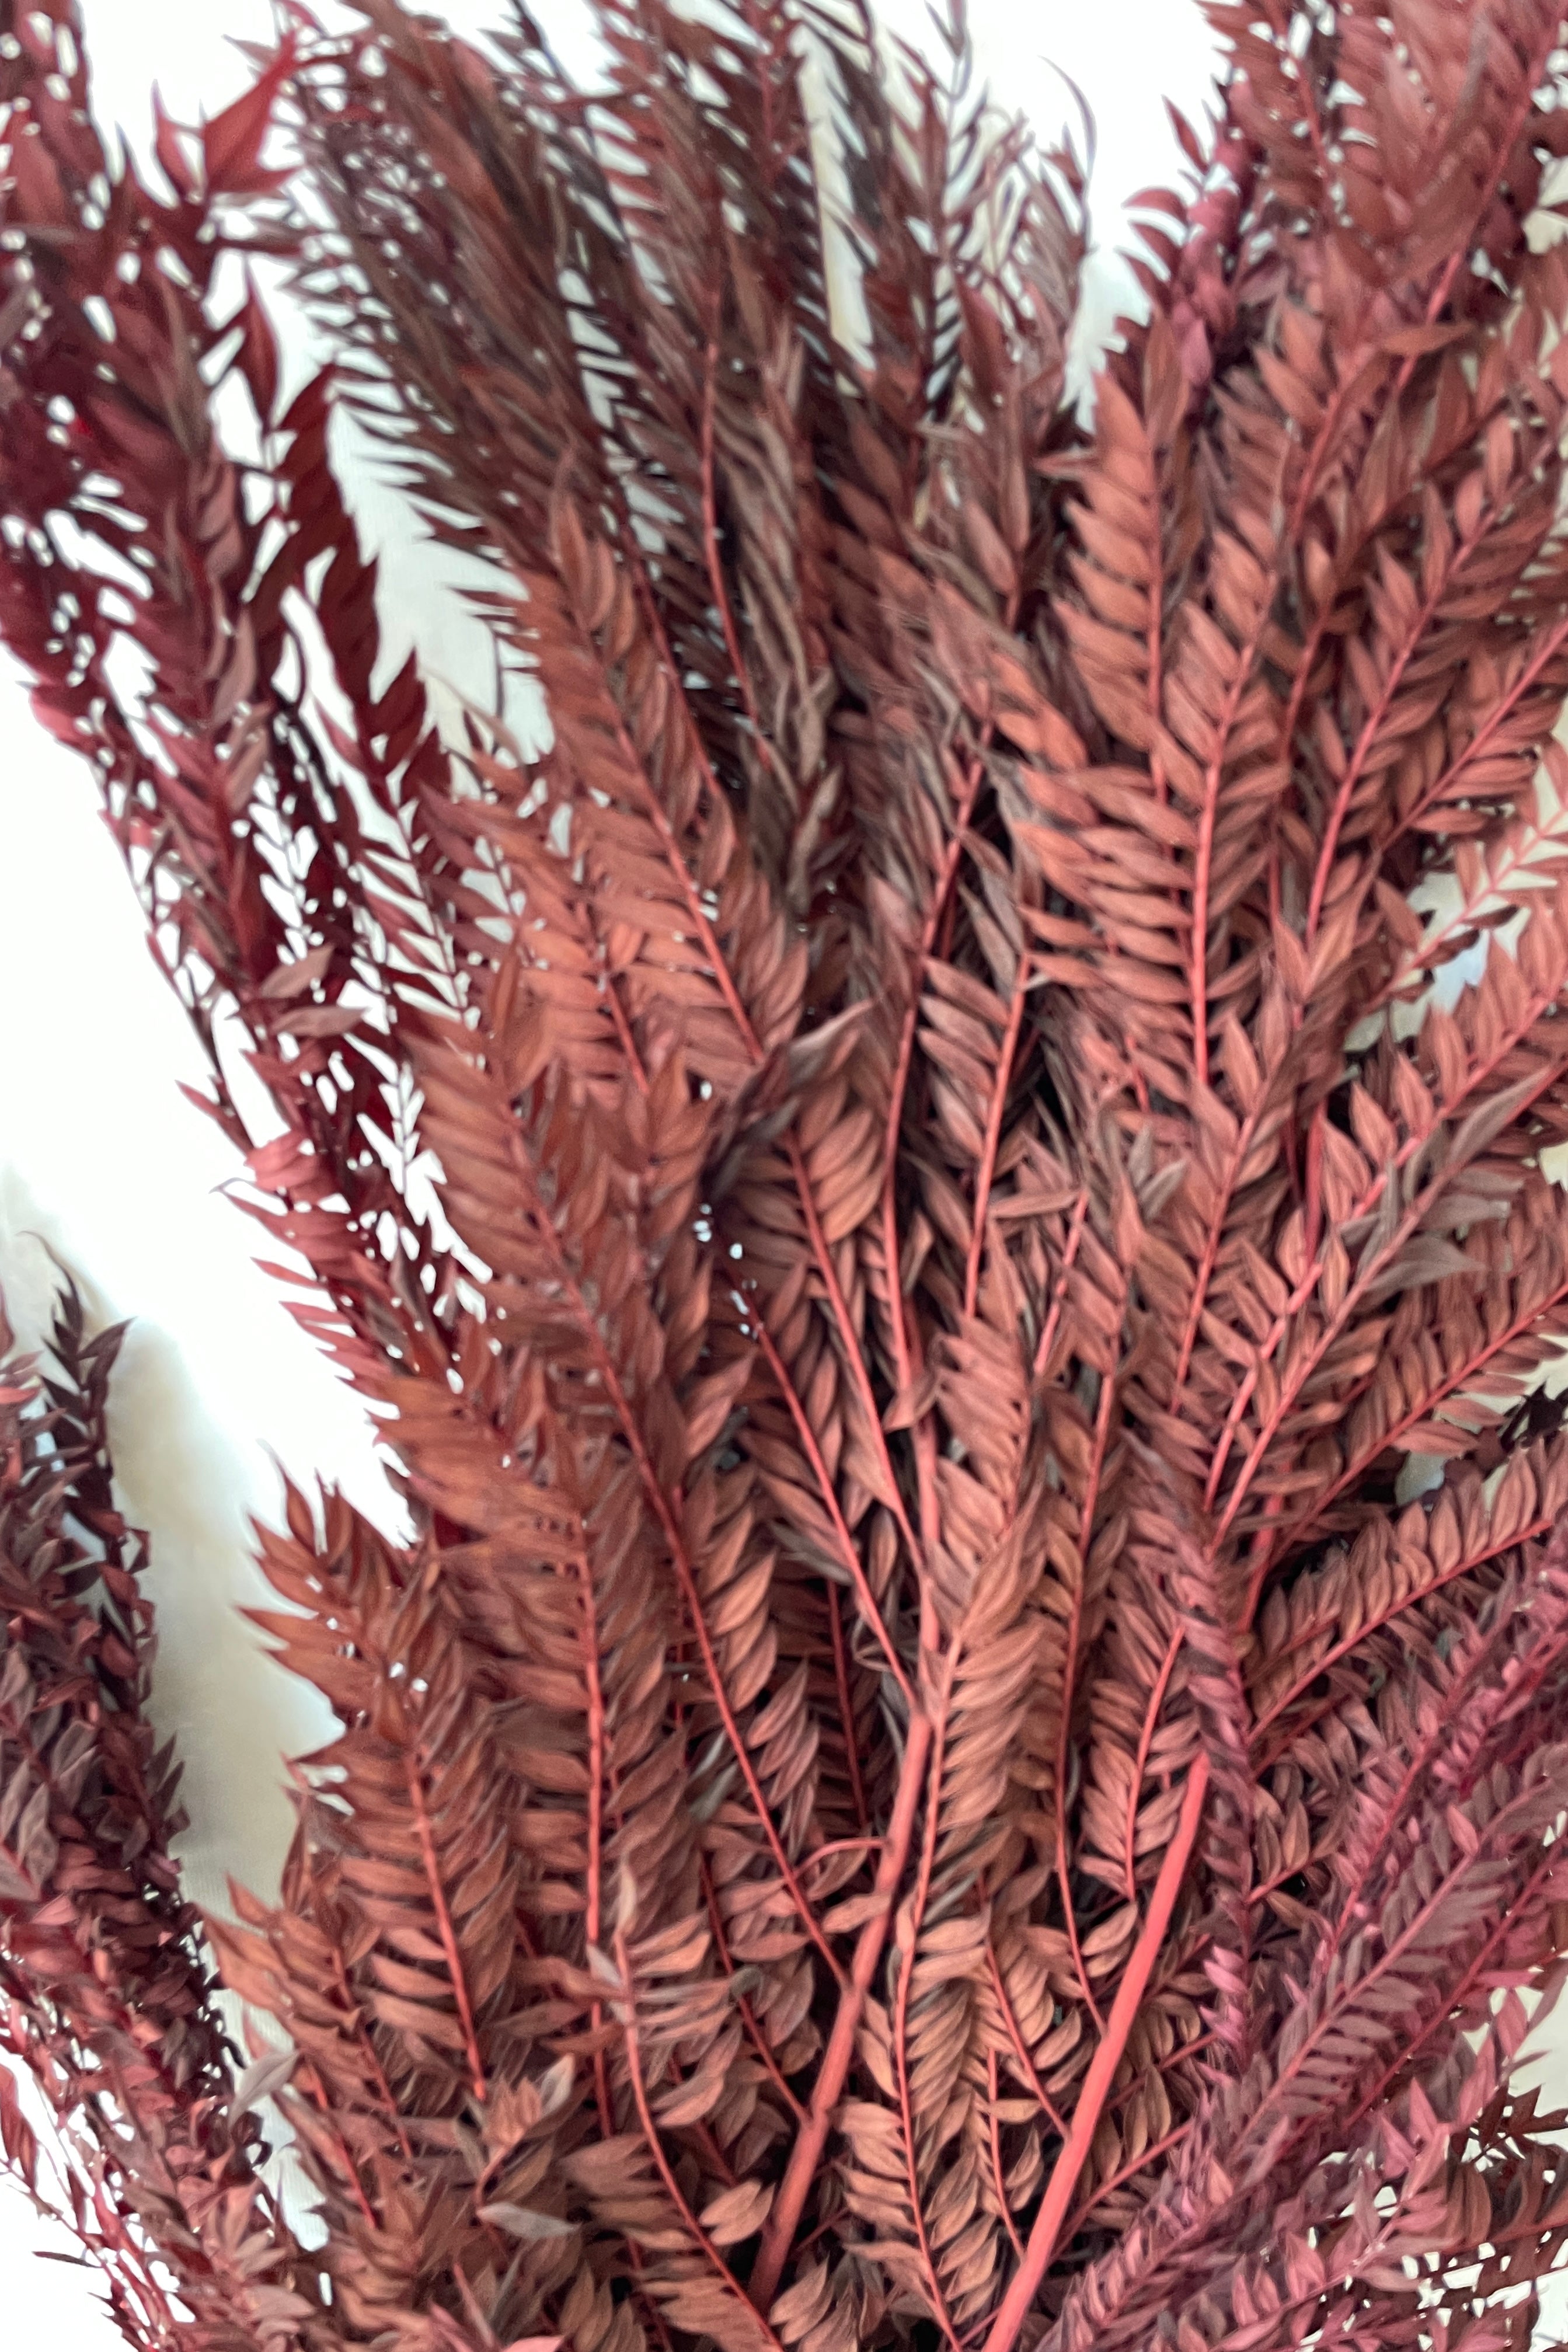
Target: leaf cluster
<point>969,1748</point>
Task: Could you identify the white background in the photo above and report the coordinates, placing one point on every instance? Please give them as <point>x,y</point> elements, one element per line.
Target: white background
<point>101,1154</point>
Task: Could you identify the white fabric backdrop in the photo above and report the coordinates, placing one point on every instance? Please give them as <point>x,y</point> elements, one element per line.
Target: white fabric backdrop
<point>101,1154</point>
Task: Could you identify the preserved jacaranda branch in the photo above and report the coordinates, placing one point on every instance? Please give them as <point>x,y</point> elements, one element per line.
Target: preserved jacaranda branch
<point>943,1190</point>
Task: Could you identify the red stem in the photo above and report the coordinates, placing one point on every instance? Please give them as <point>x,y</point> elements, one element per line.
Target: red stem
<point>444,1924</point>
<point>1044,2236</point>
<point>901,1067</point>
<point>800,2173</point>
<point>1014,2033</point>
<point>362,2037</point>
<point>1371,727</point>
<point>1052,1323</point>
<point>688,2220</point>
<point>846,1707</point>
<point>1146,1741</point>
<point>918,1902</point>
<point>998,2177</point>
<point>754,2034</point>
<point>987,1169</point>
<point>1129,2171</point>
<point>593,1895</point>
<point>847,1550</point>
<point>853,1350</point>
<point>318,2093</point>
<point>1069,1664</point>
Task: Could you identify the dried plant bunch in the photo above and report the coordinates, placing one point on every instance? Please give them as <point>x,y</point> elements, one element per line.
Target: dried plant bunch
<point>914,1183</point>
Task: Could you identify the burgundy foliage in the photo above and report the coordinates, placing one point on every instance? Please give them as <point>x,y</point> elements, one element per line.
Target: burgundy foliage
<point>928,1775</point>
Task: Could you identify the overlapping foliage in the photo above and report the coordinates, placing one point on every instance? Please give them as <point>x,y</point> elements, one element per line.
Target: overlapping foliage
<point>933,1771</point>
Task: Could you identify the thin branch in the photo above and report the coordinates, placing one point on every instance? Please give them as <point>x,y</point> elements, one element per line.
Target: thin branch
<point>1045,2235</point>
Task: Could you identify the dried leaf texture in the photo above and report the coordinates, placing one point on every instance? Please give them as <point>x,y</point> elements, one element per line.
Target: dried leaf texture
<point>109,1988</point>
<point>921,1182</point>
